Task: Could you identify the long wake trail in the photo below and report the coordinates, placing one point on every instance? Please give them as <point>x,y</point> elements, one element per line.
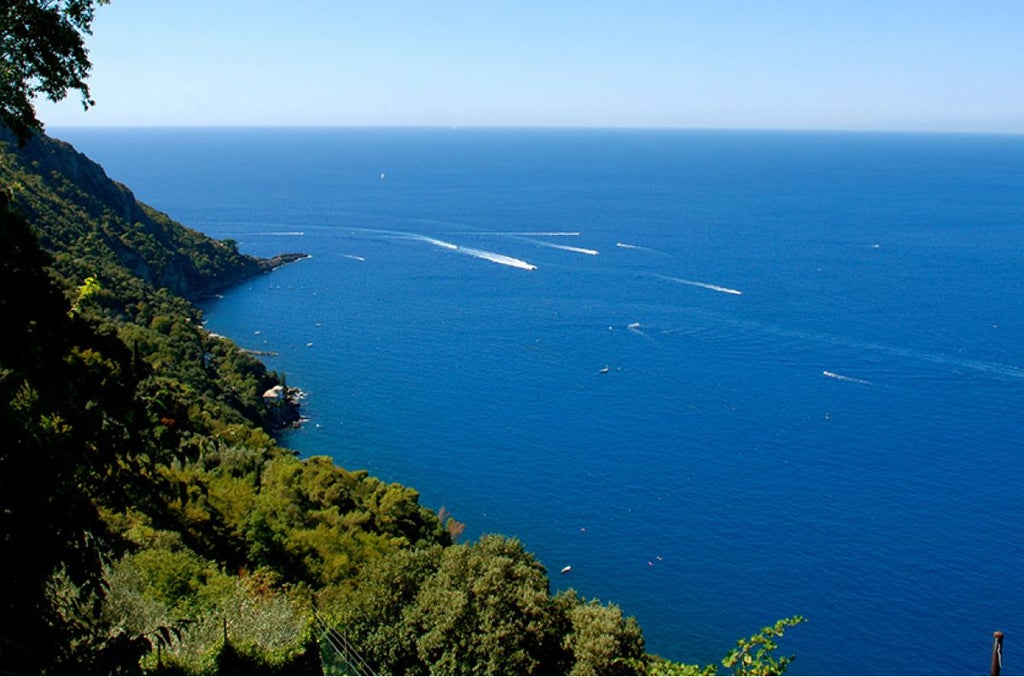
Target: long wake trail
<point>637,247</point>
<point>437,243</point>
<point>568,248</point>
<point>702,285</point>
<point>848,379</point>
<point>529,233</point>
<point>493,257</point>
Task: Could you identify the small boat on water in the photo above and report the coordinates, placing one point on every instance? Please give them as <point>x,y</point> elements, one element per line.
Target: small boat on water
<point>566,569</point>
<point>604,370</point>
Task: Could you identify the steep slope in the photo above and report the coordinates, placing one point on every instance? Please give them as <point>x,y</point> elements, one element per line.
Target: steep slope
<point>89,220</point>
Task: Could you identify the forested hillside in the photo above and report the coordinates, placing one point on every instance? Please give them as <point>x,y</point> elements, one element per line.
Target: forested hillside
<point>153,522</point>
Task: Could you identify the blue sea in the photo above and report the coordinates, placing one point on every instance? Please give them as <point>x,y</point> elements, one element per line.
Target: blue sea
<point>727,377</point>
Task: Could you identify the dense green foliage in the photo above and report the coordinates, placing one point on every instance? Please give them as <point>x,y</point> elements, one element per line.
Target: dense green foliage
<point>63,426</point>
<point>144,264</point>
<point>158,524</point>
<point>92,454</point>
<point>43,53</point>
<point>484,608</point>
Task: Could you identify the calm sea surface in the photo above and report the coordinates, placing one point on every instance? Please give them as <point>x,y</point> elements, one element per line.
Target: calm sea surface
<point>727,377</point>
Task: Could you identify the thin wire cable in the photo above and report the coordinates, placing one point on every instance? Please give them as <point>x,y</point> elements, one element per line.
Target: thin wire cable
<point>347,650</point>
<point>339,654</point>
<point>351,651</point>
<point>338,651</point>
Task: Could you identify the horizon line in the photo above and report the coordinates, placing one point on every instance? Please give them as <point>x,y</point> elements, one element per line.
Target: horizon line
<point>485,127</point>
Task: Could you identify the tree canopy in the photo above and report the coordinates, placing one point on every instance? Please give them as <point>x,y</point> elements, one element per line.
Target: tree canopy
<point>42,52</point>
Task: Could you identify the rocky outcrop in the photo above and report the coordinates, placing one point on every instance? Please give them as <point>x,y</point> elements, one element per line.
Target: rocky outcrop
<point>283,406</point>
<point>281,260</point>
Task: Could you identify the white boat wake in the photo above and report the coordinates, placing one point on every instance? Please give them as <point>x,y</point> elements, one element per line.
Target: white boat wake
<point>529,233</point>
<point>848,379</point>
<point>702,285</point>
<point>435,242</point>
<point>494,257</point>
<point>567,248</point>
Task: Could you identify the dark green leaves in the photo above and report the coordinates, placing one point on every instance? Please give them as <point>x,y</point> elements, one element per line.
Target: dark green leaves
<point>42,52</point>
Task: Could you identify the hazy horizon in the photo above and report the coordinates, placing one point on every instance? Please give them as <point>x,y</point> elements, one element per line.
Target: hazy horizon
<point>796,130</point>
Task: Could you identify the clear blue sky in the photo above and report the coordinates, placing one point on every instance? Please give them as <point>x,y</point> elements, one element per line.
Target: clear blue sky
<point>817,64</point>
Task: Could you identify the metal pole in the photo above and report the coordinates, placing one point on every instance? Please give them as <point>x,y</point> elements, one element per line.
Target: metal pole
<point>997,653</point>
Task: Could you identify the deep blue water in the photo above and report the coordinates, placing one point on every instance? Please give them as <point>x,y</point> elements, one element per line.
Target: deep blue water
<point>840,440</point>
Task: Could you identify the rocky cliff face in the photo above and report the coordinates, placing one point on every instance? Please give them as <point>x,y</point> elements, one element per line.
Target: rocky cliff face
<point>76,208</point>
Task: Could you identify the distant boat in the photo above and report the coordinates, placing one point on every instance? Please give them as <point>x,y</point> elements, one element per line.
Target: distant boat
<point>604,370</point>
<point>566,569</point>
